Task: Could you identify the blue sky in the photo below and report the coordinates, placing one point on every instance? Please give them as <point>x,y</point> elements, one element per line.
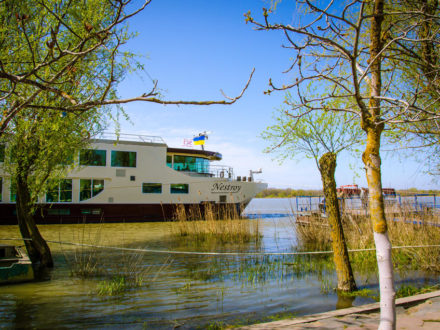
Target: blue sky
<point>194,49</point>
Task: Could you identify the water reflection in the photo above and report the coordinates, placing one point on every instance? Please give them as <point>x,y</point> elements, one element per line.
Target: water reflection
<point>344,301</point>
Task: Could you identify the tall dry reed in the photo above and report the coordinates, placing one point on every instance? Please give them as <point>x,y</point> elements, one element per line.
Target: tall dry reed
<point>312,233</point>
<point>215,223</point>
<point>405,228</point>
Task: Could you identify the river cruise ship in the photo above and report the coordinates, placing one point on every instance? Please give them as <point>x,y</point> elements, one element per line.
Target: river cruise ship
<point>133,178</point>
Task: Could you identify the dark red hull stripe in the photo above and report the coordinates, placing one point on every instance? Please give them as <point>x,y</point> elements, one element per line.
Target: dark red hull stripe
<point>110,213</point>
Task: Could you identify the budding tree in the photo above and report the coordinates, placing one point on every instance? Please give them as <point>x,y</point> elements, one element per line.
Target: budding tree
<point>320,136</point>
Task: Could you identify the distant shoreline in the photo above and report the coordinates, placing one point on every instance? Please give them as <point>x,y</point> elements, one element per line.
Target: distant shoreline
<point>286,193</point>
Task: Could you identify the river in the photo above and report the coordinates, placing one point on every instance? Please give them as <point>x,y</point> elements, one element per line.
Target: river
<point>191,291</point>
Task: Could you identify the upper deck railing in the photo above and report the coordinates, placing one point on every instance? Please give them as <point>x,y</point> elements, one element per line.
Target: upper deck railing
<point>221,171</point>
<point>130,137</point>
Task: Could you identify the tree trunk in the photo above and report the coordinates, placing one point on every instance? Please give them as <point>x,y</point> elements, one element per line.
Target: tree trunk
<point>327,166</point>
<point>372,162</point>
<point>371,124</point>
<point>37,248</point>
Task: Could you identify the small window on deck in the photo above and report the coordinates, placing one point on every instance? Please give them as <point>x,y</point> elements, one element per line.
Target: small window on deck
<point>61,192</point>
<point>152,188</point>
<point>13,192</point>
<point>58,212</point>
<point>170,161</point>
<point>89,157</point>
<point>190,164</point>
<point>89,188</point>
<point>123,158</point>
<point>91,211</point>
<point>2,153</point>
<point>180,188</point>
<point>69,160</point>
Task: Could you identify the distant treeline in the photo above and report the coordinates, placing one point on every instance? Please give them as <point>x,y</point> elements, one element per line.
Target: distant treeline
<point>414,191</point>
<point>282,193</point>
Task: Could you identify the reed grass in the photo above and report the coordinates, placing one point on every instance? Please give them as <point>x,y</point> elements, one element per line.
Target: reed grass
<point>131,273</point>
<point>313,233</point>
<point>405,228</point>
<point>116,271</point>
<point>83,261</point>
<point>216,224</point>
<point>113,286</point>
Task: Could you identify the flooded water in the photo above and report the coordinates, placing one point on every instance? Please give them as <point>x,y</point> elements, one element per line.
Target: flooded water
<point>179,290</point>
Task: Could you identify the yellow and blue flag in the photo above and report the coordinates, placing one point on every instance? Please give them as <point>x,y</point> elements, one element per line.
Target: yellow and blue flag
<point>199,140</point>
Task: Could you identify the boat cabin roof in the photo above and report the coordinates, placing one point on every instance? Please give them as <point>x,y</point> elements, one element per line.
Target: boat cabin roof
<point>211,155</point>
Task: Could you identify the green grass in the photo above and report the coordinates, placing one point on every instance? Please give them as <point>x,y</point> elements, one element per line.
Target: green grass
<point>411,290</point>
<point>327,286</point>
<point>113,287</point>
<point>366,293</point>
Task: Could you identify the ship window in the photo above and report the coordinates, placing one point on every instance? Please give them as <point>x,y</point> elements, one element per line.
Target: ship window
<point>85,189</point>
<point>60,192</point>
<point>91,157</point>
<point>170,161</point>
<point>91,211</point>
<point>89,188</point>
<point>13,192</point>
<point>152,188</point>
<point>180,188</point>
<point>202,165</point>
<point>179,163</point>
<point>191,164</point>
<point>69,160</point>
<point>97,187</point>
<point>58,212</point>
<point>2,153</point>
<point>123,158</point>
